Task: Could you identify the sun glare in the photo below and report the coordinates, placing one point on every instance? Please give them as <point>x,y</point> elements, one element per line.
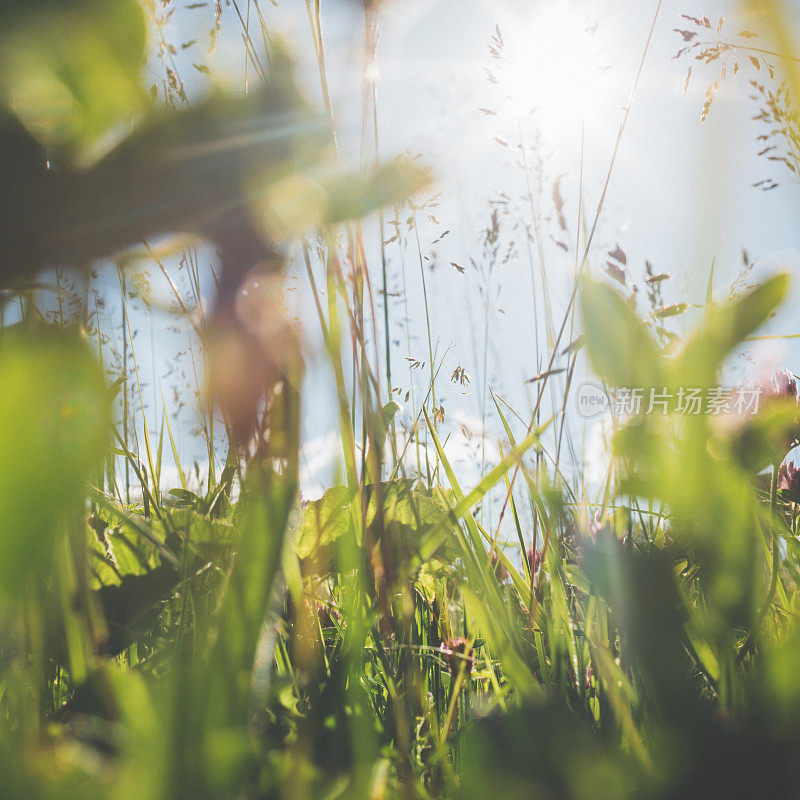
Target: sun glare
<point>553,67</point>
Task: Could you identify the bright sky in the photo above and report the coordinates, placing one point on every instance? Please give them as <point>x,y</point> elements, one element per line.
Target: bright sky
<point>680,194</point>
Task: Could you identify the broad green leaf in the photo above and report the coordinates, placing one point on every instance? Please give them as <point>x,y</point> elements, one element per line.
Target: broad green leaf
<point>70,70</point>
<point>620,349</point>
<point>414,519</point>
<point>760,440</point>
<point>324,521</point>
<point>297,203</point>
<point>725,327</point>
<point>53,431</point>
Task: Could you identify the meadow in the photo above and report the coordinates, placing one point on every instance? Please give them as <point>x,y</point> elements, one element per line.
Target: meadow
<point>196,271</point>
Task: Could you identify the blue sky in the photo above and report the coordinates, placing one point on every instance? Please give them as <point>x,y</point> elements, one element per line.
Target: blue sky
<point>680,194</point>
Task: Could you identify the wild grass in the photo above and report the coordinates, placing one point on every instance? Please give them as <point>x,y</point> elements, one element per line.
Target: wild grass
<point>407,633</point>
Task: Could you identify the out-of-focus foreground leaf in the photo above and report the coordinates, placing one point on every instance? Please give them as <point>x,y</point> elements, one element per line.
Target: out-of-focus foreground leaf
<point>699,463</point>
<point>53,432</point>
<point>246,172</point>
<point>542,751</point>
<point>725,327</point>
<point>620,349</point>
<point>69,68</point>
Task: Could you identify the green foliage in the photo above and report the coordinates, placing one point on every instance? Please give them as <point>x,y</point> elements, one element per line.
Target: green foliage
<point>409,514</point>
<point>543,751</point>
<point>620,348</point>
<point>69,68</point>
<point>701,471</point>
<point>384,640</point>
<point>53,433</point>
<point>726,327</point>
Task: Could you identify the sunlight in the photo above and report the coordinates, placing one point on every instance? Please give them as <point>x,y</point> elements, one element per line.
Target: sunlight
<point>553,68</point>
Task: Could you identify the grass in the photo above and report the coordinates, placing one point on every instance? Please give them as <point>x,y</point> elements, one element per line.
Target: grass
<point>407,633</point>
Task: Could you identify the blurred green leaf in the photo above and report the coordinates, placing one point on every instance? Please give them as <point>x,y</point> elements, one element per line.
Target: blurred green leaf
<point>70,69</point>
<point>724,327</point>
<point>542,751</point>
<point>53,433</point>
<point>760,440</point>
<point>620,349</point>
<point>297,203</point>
